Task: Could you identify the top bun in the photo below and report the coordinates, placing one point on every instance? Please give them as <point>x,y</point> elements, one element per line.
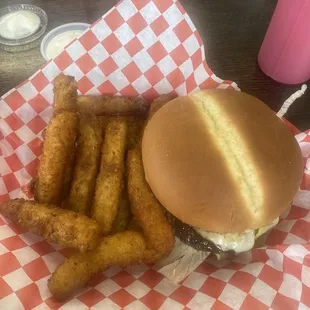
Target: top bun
<point>221,161</point>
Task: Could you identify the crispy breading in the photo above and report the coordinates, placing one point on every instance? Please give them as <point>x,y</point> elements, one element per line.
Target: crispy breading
<point>112,105</point>
<point>103,121</point>
<point>135,127</point>
<point>65,93</point>
<point>110,181</point>
<point>121,249</point>
<point>59,141</point>
<point>86,165</point>
<point>135,131</point>
<point>68,173</point>
<point>65,227</point>
<point>147,210</point>
<point>123,215</point>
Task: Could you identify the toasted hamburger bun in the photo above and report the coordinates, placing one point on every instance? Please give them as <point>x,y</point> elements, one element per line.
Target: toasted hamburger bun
<point>221,161</point>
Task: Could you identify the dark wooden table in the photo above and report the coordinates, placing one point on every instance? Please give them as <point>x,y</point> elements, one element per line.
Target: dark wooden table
<point>232,32</point>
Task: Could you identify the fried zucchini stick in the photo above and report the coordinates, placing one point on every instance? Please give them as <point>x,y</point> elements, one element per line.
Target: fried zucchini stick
<point>110,180</point>
<point>135,127</point>
<point>147,210</point>
<point>56,164</point>
<point>123,215</point>
<point>65,93</point>
<point>86,166</point>
<point>68,173</point>
<point>67,228</point>
<point>65,97</point>
<point>59,141</point>
<point>108,105</point>
<point>121,249</point>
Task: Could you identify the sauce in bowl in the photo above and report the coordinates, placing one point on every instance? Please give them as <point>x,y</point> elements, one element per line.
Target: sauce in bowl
<point>19,24</point>
<point>57,44</point>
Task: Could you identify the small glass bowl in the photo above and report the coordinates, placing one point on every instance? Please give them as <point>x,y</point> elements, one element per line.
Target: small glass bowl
<point>27,42</point>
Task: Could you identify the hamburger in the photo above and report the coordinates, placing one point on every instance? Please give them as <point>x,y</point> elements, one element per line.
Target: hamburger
<point>223,166</point>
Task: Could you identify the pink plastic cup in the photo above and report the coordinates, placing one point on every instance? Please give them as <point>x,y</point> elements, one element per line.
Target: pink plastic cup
<point>285,52</point>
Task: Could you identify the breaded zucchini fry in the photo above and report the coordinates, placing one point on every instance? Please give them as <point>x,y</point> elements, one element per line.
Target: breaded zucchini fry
<point>67,228</point>
<point>68,173</point>
<point>59,141</point>
<point>86,165</point>
<point>123,215</point>
<point>65,93</point>
<point>120,249</point>
<point>56,164</point>
<point>147,210</point>
<point>135,127</point>
<point>112,105</point>
<point>111,177</point>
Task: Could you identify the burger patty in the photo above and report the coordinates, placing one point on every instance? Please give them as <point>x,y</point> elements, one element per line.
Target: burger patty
<point>188,235</point>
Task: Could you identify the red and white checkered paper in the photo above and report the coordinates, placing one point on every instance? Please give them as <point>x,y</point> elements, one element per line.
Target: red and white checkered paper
<point>148,48</point>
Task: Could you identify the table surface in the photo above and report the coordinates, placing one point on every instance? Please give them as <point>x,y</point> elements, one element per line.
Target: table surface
<point>231,30</point>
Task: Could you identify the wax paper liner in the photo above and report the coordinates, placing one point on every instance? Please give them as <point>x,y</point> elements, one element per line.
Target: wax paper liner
<point>148,48</point>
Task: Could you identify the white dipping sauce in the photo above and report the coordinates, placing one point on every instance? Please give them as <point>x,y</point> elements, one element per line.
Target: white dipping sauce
<point>238,243</point>
<point>18,25</point>
<point>57,44</point>
<point>231,241</point>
